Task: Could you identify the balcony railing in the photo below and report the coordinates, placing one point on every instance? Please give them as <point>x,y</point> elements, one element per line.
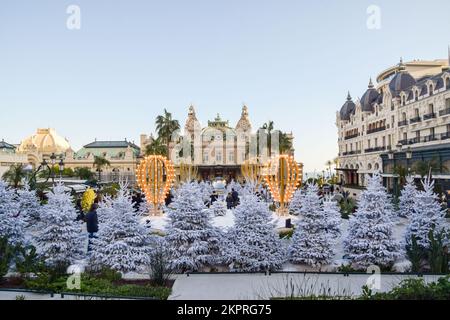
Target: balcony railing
<point>351,136</point>
<point>406,142</point>
<point>403,123</point>
<point>445,136</point>
<point>429,138</point>
<point>444,112</point>
<point>351,153</point>
<point>376,130</point>
<point>415,120</point>
<point>429,116</point>
<point>377,149</point>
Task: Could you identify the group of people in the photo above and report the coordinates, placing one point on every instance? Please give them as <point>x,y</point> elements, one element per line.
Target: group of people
<point>232,199</point>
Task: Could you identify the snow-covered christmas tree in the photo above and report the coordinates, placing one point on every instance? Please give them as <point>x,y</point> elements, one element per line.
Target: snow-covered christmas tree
<point>122,243</point>
<point>219,208</point>
<point>312,243</point>
<point>333,218</point>
<point>29,206</point>
<point>427,215</point>
<point>233,185</point>
<point>205,189</point>
<point>407,198</point>
<point>12,225</point>
<point>253,245</point>
<point>370,240</point>
<point>193,241</point>
<point>296,203</point>
<point>59,238</point>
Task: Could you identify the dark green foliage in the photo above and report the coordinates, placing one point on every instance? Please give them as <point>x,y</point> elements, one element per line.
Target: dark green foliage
<point>6,256</point>
<point>438,254</point>
<point>160,270</point>
<point>415,289</point>
<point>83,173</point>
<point>415,254</point>
<point>347,206</point>
<point>100,286</point>
<point>287,233</point>
<point>27,260</point>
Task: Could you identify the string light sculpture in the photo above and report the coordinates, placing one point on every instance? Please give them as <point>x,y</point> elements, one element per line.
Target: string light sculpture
<point>283,175</point>
<point>155,176</point>
<point>188,172</point>
<point>252,171</point>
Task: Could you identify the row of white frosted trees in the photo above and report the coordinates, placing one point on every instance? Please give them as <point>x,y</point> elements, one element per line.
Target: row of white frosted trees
<point>193,243</point>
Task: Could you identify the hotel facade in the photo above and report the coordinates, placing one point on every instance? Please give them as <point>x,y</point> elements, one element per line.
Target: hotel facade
<point>402,119</point>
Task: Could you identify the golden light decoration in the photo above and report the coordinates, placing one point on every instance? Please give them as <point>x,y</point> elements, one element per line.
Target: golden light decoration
<point>283,175</point>
<point>155,176</point>
<point>187,172</point>
<point>252,171</point>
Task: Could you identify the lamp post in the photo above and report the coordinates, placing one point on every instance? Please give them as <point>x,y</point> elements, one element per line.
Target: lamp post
<point>409,155</point>
<point>46,167</point>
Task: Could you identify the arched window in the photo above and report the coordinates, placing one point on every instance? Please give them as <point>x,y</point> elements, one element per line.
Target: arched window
<point>430,90</point>
<point>447,83</point>
<point>416,95</point>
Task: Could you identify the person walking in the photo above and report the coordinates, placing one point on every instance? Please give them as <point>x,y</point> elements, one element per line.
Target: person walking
<point>92,223</point>
<point>235,196</point>
<point>213,198</point>
<point>229,200</point>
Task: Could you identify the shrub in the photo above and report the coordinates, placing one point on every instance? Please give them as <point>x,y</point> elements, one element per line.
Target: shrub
<point>286,233</point>
<point>438,254</point>
<point>27,260</point>
<point>160,270</point>
<point>6,256</point>
<point>415,254</point>
<point>416,289</point>
<point>347,206</point>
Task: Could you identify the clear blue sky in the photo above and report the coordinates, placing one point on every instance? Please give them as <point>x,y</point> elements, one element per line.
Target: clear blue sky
<point>289,61</point>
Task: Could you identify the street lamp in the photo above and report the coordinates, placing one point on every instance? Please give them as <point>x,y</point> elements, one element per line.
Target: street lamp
<point>409,155</point>
<point>46,167</point>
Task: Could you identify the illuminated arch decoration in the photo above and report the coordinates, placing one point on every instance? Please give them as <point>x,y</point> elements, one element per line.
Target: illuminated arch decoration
<point>155,175</point>
<point>252,171</point>
<point>283,175</point>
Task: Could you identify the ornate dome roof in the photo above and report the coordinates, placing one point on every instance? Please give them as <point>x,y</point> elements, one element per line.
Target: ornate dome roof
<point>347,109</point>
<point>45,141</point>
<point>244,122</point>
<point>369,98</point>
<point>401,81</point>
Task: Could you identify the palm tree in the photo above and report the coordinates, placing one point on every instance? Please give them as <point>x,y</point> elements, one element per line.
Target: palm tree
<point>166,126</point>
<point>99,164</point>
<point>329,163</point>
<point>156,147</point>
<point>285,143</point>
<point>424,168</point>
<point>14,175</point>
<point>402,172</point>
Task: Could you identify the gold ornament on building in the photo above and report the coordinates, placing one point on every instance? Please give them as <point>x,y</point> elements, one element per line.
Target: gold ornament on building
<point>187,172</point>
<point>283,175</point>
<point>155,176</point>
